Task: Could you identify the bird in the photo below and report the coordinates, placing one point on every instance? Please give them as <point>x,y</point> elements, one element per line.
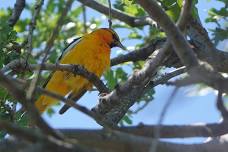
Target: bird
<point>92,51</point>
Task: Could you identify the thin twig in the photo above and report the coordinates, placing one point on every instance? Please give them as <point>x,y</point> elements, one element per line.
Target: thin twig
<point>140,108</point>
<point>221,107</point>
<point>84,18</point>
<point>159,81</point>
<point>110,14</point>
<point>69,102</point>
<point>164,78</point>
<point>188,80</point>
<point>32,25</point>
<point>153,147</point>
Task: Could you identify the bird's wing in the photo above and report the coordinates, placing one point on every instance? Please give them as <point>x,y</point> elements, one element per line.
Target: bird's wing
<point>65,50</point>
<point>69,47</point>
<point>73,97</point>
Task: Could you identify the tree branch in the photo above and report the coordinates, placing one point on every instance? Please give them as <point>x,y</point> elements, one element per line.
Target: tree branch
<point>221,107</point>
<point>201,71</point>
<point>205,48</point>
<point>179,131</point>
<point>19,132</point>
<point>123,142</point>
<point>21,65</point>
<point>166,131</point>
<point>116,141</point>
<point>18,8</point>
<point>11,86</point>
<point>178,41</point>
<point>139,54</point>
<point>116,103</point>
<point>167,76</point>
<point>72,103</point>
<point>32,25</point>
<point>47,143</point>
<point>115,144</point>
<point>130,20</point>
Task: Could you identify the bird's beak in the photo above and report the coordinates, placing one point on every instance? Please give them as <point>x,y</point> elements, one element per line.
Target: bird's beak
<point>120,45</point>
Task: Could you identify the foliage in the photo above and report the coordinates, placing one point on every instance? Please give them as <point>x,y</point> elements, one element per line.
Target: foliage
<point>219,17</point>
<point>7,39</point>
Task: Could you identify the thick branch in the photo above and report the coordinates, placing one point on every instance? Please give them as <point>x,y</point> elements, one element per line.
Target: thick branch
<point>123,97</point>
<point>123,142</point>
<point>166,131</point>
<point>139,54</point>
<point>18,8</point>
<point>113,145</point>
<point>47,143</point>
<point>113,141</point>
<point>204,47</point>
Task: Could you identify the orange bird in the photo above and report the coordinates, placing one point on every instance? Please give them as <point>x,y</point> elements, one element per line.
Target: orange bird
<point>92,51</point>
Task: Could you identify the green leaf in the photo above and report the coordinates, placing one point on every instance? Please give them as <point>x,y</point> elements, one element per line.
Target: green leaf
<point>2,135</point>
<point>168,3</point>
<point>50,112</point>
<point>219,34</point>
<point>180,2</point>
<point>111,81</point>
<point>174,11</point>
<point>76,12</point>
<point>113,77</point>
<point>134,35</point>
<point>22,119</point>
<point>126,119</point>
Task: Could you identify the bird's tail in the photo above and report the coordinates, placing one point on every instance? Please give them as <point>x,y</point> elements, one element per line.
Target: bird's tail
<point>43,102</point>
<point>74,96</point>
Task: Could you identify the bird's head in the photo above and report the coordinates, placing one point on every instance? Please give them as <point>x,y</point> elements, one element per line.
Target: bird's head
<point>110,37</point>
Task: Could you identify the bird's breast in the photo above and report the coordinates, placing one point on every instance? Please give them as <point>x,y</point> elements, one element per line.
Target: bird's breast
<point>99,61</point>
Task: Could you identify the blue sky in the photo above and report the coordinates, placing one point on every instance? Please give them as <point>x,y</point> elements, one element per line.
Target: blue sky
<point>185,109</point>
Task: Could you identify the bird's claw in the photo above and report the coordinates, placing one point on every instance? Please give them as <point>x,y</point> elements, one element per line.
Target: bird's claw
<point>102,94</point>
